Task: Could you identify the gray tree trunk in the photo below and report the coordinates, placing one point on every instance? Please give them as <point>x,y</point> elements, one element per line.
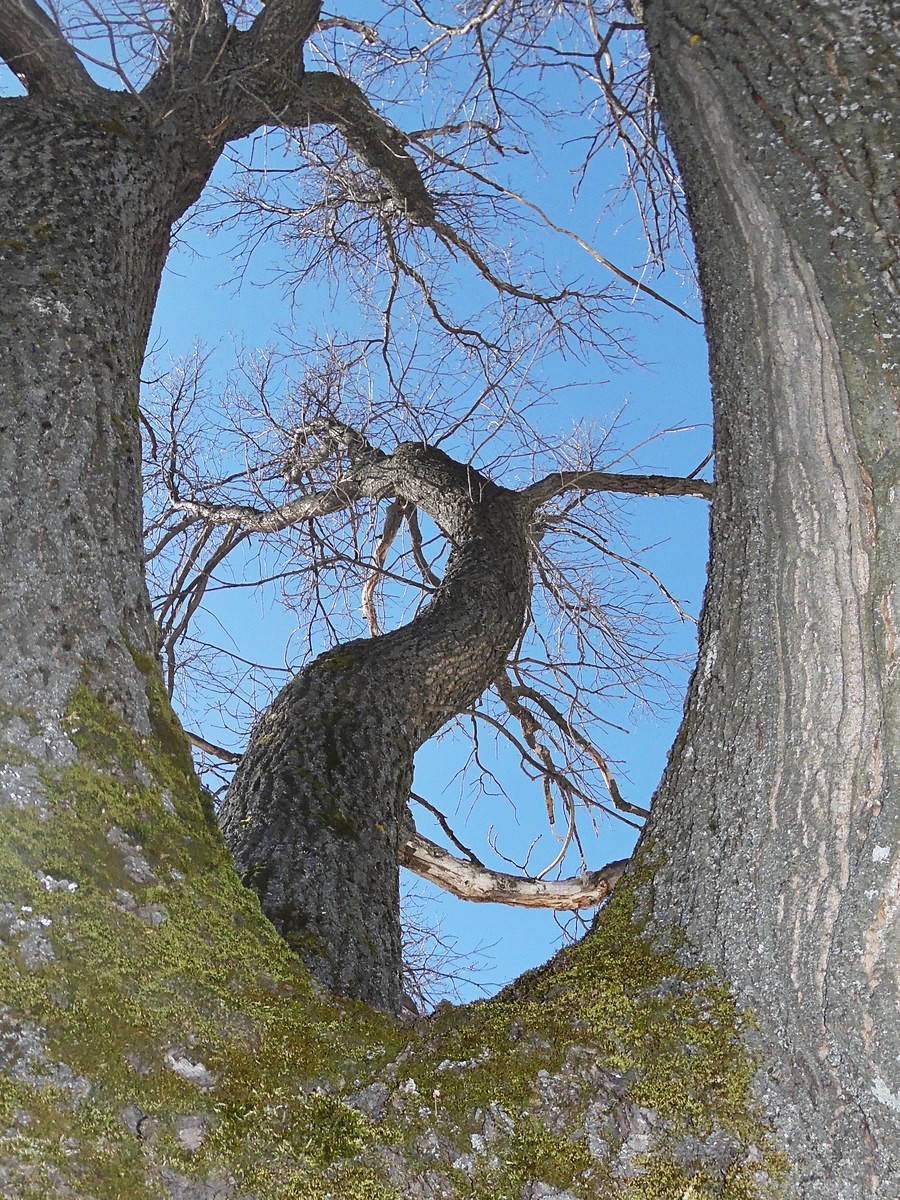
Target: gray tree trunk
<point>314,815</point>
<point>155,1039</point>
<point>777,821</point>
<point>89,195</point>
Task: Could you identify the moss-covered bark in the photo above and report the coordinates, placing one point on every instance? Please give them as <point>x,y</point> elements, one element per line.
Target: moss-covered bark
<point>157,1034</point>
<point>154,1031</point>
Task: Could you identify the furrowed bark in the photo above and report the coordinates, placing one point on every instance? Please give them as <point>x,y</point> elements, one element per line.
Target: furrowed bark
<point>314,815</point>
<point>88,198</point>
<point>778,815</point>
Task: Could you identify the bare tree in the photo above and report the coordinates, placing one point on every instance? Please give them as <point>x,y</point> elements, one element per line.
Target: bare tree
<point>516,613</point>
<point>156,1036</point>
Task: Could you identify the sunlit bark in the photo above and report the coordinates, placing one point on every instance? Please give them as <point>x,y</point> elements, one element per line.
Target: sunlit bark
<point>777,822</point>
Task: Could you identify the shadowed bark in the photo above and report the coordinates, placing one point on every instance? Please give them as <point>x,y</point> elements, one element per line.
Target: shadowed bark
<point>89,195</point>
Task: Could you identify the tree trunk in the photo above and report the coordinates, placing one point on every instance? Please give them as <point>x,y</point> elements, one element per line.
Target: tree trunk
<point>314,815</point>
<point>776,826</point>
<point>89,196</point>
<point>155,1037</point>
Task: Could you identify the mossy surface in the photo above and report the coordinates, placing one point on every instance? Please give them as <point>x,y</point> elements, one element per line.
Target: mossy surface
<point>668,1030</point>
<point>160,957</point>
<point>167,996</point>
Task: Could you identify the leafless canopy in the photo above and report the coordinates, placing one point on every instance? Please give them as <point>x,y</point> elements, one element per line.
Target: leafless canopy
<point>393,162</point>
<point>337,522</point>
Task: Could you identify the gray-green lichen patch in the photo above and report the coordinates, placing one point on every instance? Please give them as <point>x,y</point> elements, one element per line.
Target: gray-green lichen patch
<point>167,1041</point>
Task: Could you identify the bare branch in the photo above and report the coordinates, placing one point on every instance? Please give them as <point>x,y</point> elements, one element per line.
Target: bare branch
<point>34,47</point>
<point>259,520</point>
<point>211,748</point>
<point>583,743</point>
<point>367,32</point>
<point>445,825</point>
<point>625,276</point>
<point>415,534</point>
<point>393,519</point>
<point>328,99</point>
<point>480,884</point>
<point>560,482</point>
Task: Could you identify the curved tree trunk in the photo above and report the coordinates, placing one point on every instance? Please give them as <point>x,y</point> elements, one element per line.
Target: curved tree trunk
<point>778,819</point>
<point>154,1037</point>
<point>314,814</point>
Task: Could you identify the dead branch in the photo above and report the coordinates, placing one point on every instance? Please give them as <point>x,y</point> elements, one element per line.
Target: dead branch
<point>393,519</point>
<point>207,747</point>
<point>470,881</point>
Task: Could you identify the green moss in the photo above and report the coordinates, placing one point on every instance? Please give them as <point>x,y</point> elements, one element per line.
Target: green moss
<point>338,822</point>
<point>212,982</point>
<point>306,944</point>
<point>338,659</point>
<point>42,230</point>
<point>109,124</point>
<point>171,740</point>
<point>214,985</point>
<point>533,1154</point>
<point>668,1028</point>
<point>348,1182</point>
<point>122,428</point>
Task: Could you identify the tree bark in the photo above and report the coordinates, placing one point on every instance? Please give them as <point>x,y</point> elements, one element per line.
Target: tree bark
<point>314,815</point>
<point>89,195</point>
<point>776,825</point>
<point>154,1037</point>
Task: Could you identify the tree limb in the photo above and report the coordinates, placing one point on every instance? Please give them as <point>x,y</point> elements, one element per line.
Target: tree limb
<point>572,731</point>
<point>327,99</point>
<point>199,34</point>
<point>393,519</point>
<point>559,482</point>
<point>472,880</point>
<point>480,884</point>
<point>211,748</point>
<point>35,49</point>
<point>277,36</point>
<point>272,520</point>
